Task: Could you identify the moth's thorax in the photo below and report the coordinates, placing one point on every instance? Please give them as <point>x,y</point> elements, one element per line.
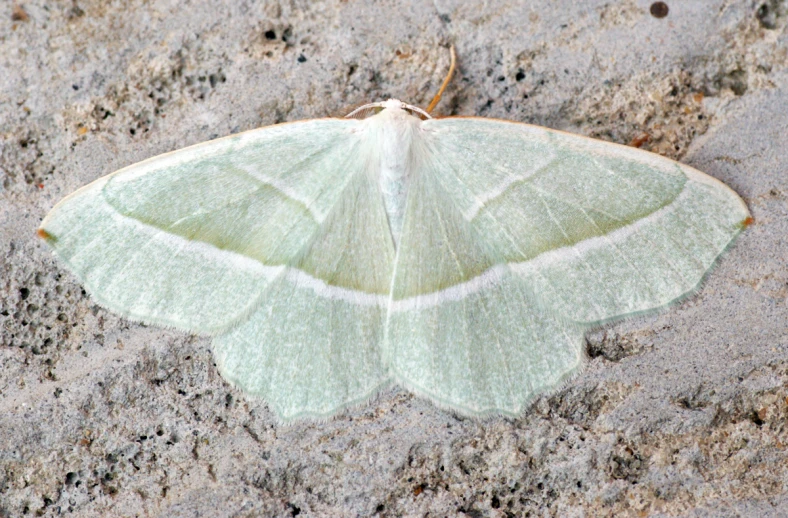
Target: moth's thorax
<point>393,131</point>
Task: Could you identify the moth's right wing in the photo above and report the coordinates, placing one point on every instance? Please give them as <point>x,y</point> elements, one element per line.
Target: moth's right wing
<point>462,329</point>
<point>599,230</point>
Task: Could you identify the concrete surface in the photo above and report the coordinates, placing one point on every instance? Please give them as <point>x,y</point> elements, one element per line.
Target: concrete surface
<point>684,413</point>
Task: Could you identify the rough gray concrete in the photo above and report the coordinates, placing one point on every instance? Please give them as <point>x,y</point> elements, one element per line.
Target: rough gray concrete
<point>682,413</point>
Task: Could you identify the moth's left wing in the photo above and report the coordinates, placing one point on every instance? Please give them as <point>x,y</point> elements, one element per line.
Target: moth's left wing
<point>190,239</point>
<point>274,240</point>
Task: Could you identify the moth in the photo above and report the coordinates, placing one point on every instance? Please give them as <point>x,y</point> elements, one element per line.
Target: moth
<point>462,258</point>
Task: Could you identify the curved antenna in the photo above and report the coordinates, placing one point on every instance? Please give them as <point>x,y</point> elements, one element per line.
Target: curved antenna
<point>418,110</point>
<point>363,108</point>
<point>391,103</point>
<point>452,66</point>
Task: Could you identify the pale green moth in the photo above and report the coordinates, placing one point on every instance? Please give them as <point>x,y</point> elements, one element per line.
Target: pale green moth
<point>461,258</point>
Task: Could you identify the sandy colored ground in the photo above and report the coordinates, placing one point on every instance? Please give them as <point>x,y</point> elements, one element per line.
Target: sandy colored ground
<point>682,413</point>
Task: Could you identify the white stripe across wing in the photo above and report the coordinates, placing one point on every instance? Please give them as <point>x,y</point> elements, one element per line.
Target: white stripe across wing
<point>482,199</point>
<point>583,247</point>
<point>487,279</point>
<point>457,292</point>
<point>230,259</point>
<point>243,263</point>
<point>479,201</point>
<point>360,298</point>
<point>285,189</point>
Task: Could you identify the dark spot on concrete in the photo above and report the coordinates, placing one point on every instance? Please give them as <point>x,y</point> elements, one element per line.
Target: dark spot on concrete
<point>735,80</point>
<point>75,12</point>
<point>215,79</point>
<point>659,9</point>
<point>627,464</point>
<point>767,14</point>
<point>270,35</point>
<point>18,14</point>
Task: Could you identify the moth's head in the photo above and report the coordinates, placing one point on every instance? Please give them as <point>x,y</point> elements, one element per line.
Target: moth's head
<point>371,109</point>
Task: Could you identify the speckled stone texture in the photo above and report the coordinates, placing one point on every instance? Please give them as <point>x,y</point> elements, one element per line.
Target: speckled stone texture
<point>682,413</point>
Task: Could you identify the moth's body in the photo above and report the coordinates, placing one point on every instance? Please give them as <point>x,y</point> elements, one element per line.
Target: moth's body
<point>392,131</point>
<point>462,258</point>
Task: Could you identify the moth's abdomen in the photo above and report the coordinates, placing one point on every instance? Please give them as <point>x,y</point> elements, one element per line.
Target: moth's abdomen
<point>394,130</point>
